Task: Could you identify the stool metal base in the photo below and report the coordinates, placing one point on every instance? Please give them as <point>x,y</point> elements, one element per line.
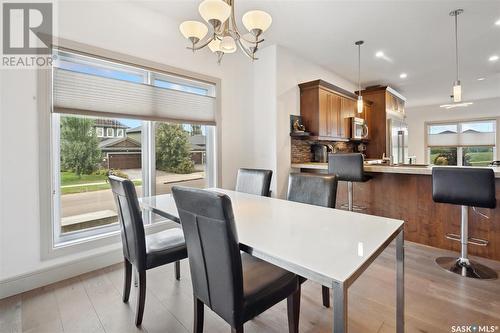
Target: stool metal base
<point>469,269</point>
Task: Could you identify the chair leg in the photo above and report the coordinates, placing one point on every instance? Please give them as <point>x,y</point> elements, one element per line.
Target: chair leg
<point>127,281</point>
<point>199,308</point>
<point>326,296</point>
<point>237,330</point>
<point>141,298</point>
<point>177,270</point>
<point>293,309</point>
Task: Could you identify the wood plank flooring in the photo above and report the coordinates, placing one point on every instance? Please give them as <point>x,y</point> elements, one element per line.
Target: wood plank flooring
<point>435,300</point>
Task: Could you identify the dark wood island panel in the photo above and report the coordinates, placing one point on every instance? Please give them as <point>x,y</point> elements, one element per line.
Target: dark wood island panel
<point>409,197</point>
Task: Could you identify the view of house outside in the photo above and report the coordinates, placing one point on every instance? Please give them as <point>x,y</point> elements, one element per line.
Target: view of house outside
<point>92,148</point>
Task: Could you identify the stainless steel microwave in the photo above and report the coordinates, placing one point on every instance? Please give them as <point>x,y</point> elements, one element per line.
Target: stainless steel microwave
<point>359,129</point>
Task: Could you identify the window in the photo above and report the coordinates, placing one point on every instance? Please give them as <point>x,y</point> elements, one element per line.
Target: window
<point>154,154</point>
<point>467,143</point>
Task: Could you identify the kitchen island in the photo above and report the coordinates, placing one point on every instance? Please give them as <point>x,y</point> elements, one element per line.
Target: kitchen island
<point>405,192</point>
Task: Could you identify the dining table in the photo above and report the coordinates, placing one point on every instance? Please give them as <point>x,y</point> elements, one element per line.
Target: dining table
<point>329,246</point>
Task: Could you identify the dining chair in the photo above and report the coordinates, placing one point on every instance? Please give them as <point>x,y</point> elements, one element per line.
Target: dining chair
<point>140,251</point>
<point>254,181</point>
<point>318,190</point>
<point>234,284</point>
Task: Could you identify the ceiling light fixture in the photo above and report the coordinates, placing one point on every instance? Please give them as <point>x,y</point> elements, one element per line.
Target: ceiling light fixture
<point>497,22</point>
<point>457,87</point>
<point>360,98</point>
<point>493,58</point>
<point>455,105</point>
<point>481,78</point>
<point>379,54</point>
<point>403,75</point>
<point>225,36</point>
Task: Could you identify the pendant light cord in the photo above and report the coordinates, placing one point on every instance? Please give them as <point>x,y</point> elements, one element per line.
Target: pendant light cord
<point>456,42</point>
<point>359,70</point>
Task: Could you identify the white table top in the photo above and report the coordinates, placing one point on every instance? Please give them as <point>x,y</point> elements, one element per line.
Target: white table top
<point>322,244</point>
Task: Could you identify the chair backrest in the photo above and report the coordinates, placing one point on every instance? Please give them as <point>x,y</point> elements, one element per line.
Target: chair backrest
<point>130,216</point>
<point>313,189</point>
<point>254,181</point>
<point>464,186</point>
<point>213,250</point>
<point>347,167</point>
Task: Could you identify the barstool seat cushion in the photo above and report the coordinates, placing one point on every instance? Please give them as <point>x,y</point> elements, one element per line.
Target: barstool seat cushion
<point>473,187</point>
<point>347,167</point>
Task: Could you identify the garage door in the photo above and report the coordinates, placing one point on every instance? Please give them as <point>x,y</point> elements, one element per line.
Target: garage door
<point>125,161</point>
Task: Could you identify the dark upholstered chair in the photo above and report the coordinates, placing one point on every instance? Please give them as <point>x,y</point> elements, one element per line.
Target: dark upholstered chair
<point>349,168</point>
<point>233,284</point>
<point>467,187</point>
<point>314,189</point>
<point>254,181</point>
<point>141,251</point>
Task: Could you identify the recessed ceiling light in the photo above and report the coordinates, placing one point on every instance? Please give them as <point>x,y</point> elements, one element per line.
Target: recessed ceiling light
<point>481,78</point>
<point>403,75</point>
<point>493,58</point>
<point>379,54</point>
<point>497,22</point>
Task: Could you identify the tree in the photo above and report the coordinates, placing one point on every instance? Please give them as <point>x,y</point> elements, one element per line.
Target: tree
<point>80,151</point>
<point>173,149</point>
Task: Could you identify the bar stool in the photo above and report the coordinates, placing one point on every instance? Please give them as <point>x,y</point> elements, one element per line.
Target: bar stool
<point>349,168</point>
<point>468,187</point>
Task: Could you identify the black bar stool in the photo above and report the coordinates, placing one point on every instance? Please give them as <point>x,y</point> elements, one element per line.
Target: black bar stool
<point>349,168</point>
<point>468,187</point>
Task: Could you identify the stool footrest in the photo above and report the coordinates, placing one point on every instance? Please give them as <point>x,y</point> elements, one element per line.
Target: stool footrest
<point>471,240</point>
<point>354,207</point>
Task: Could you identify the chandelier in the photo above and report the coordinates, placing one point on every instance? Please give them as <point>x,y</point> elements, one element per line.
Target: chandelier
<point>224,36</point>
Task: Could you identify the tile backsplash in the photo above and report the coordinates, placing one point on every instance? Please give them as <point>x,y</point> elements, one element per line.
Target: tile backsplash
<point>301,149</point>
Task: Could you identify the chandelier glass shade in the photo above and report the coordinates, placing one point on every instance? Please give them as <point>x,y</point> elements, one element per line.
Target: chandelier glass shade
<point>222,34</point>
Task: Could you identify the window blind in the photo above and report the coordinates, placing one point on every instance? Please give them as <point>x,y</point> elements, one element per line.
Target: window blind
<point>464,137</point>
<point>81,93</point>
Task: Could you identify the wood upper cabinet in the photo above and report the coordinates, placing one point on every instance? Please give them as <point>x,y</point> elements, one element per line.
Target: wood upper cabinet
<point>325,108</point>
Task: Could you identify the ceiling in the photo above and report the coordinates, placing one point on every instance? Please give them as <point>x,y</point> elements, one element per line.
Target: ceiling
<point>417,38</point>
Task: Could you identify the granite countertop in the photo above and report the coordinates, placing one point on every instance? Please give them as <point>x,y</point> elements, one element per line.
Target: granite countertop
<point>405,169</point>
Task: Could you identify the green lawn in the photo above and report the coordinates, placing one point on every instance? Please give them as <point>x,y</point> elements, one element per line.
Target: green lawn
<point>89,183</point>
<point>91,188</point>
<point>476,158</point>
<point>69,178</point>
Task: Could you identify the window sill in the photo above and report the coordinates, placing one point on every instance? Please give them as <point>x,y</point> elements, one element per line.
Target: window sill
<point>96,242</point>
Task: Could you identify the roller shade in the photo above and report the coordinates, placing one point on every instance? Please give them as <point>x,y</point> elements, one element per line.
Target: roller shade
<point>89,94</point>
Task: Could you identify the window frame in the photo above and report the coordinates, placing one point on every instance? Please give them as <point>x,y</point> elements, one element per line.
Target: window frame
<point>109,241</point>
<point>112,132</point>
<point>101,130</point>
<point>122,131</point>
<point>460,148</point>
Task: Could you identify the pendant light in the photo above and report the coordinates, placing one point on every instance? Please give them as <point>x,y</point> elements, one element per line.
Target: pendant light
<point>360,98</point>
<point>457,87</point>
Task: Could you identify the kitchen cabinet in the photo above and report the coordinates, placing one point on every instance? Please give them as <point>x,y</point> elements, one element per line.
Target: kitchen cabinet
<point>325,109</point>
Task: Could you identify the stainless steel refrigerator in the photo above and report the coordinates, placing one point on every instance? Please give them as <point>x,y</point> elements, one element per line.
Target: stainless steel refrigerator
<point>397,140</point>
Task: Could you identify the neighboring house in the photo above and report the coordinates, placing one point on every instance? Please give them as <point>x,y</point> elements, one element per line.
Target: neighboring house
<point>121,153</point>
<point>135,133</point>
<point>109,128</point>
<point>197,144</point>
<point>198,148</point>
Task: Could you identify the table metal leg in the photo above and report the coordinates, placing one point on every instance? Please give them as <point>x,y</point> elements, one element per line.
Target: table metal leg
<point>400,283</point>
<point>339,308</point>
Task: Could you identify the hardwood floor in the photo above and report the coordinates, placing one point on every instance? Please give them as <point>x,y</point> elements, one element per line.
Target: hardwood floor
<point>435,300</point>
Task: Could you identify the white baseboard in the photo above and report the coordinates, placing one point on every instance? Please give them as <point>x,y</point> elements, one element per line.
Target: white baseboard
<point>25,282</point>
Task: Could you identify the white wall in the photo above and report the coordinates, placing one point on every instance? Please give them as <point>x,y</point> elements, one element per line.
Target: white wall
<point>416,118</point>
<point>121,27</point>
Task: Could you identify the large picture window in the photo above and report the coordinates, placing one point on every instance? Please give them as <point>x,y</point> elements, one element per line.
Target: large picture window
<point>466,143</point>
<point>153,154</point>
